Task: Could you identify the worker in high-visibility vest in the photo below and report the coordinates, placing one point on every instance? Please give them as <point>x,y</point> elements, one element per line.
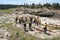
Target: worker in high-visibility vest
<point>37,21</point>
<point>45,28</point>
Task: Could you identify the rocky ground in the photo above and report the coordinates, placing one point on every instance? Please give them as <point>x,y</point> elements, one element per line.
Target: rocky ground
<point>10,18</point>
<point>37,33</point>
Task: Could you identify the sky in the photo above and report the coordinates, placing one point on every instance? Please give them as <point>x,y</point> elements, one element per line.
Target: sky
<point>28,1</point>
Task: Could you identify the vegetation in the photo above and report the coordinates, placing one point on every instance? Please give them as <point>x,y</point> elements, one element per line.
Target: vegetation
<point>7,6</point>
<point>48,5</point>
<point>19,34</point>
<point>7,10</point>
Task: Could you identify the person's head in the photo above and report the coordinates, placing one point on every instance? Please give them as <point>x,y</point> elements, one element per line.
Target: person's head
<point>45,24</point>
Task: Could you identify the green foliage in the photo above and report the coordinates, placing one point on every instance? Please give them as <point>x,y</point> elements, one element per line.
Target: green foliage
<point>7,6</point>
<point>47,5</point>
<point>33,5</point>
<point>56,5</point>
<point>6,25</point>
<point>39,6</point>
<point>56,38</point>
<point>7,10</point>
<point>17,33</point>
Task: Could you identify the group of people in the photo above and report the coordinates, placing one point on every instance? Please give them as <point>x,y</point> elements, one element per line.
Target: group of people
<point>30,20</point>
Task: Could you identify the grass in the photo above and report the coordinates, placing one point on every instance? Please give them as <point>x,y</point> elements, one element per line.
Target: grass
<point>6,25</point>
<point>58,38</point>
<point>7,10</point>
<point>56,27</point>
<point>55,38</point>
<point>19,34</point>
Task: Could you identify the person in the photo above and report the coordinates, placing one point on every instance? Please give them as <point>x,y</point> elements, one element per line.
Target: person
<point>25,24</point>
<point>45,28</point>
<point>30,24</point>
<point>36,21</point>
<point>16,19</point>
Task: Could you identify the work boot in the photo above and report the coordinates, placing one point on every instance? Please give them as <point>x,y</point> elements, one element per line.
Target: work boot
<point>26,30</point>
<point>31,30</point>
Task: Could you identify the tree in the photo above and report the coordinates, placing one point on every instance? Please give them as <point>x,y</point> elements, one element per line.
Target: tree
<point>47,5</point>
<point>27,5</point>
<point>56,5</point>
<point>33,5</point>
<point>39,5</point>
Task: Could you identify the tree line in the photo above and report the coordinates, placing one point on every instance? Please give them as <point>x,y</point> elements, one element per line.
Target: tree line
<point>7,6</point>
<point>47,5</point>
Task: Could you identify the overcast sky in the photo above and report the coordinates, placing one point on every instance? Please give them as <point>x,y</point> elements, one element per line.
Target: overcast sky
<point>28,1</point>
